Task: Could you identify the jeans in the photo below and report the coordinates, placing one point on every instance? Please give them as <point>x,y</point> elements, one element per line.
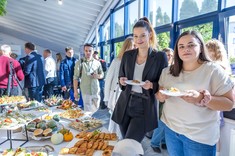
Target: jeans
<point>101,83</point>
<point>158,137</point>
<point>179,145</point>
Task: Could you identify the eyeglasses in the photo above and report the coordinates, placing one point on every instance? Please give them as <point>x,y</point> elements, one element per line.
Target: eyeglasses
<point>190,46</point>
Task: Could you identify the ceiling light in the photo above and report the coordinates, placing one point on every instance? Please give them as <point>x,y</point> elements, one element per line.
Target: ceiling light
<point>60,2</point>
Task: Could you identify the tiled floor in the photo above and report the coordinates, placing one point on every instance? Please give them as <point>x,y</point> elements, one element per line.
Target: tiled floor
<point>104,115</point>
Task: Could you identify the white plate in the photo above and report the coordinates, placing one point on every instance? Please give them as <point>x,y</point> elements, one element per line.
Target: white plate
<point>169,93</point>
<point>130,82</point>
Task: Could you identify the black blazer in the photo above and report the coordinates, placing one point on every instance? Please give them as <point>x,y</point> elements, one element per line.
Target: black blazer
<point>156,61</point>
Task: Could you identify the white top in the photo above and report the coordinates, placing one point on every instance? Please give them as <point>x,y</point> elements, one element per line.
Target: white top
<point>50,67</point>
<point>138,72</point>
<point>111,87</point>
<point>200,124</point>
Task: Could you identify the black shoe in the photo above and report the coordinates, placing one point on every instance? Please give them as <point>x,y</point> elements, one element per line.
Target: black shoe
<point>149,134</point>
<point>164,146</point>
<point>156,149</point>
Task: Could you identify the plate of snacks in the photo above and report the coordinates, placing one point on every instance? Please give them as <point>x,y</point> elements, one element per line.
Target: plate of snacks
<point>135,82</point>
<point>172,92</point>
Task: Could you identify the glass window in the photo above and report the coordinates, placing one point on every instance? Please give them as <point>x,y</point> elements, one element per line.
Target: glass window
<point>160,12</point>
<point>230,3</point>
<point>204,29</point>
<point>118,46</point>
<point>133,14</point>
<point>230,35</point>
<point>191,8</point>
<point>106,53</point>
<point>163,40</point>
<point>119,22</point>
<point>120,3</point>
<point>106,31</point>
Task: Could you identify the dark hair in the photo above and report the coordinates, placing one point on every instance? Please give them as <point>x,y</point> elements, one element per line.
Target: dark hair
<point>167,49</point>
<point>60,57</point>
<point>30,46</point>
<point>68,48</point>
<point>144,23</point>
<point>176,68</point>
<point>87,45</point>
<point>48,51</point>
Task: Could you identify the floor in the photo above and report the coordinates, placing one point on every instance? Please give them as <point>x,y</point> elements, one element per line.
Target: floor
<point>104,115</point>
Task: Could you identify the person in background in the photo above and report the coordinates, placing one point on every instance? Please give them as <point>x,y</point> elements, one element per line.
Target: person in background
<point>158,137</point>
<point>34,72</point>
<point>101,81</point>
<point>50,69</point>
<point>218,54</point>
<point>5,69</point>
<point>88,71</point>
<point>112,89</point>
<point>66,74</point>
<point>14,55</point>
<point>135,110</point>
<point>192,120</point>
<point>58,62</point>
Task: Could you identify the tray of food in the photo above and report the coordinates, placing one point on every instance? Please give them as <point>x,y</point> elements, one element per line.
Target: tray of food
<point>53,101</point>
<point>14,119</point>
<point>94,143</point>
<point>29,151</point>
<point>72,114</point>
<point>29,105</point>
<point>86,124</point>
<point>42,129</point>
<point>8,100</point>
<point>67,104</point>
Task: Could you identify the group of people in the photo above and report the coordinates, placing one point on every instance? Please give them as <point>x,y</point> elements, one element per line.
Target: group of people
<point>185,125</point>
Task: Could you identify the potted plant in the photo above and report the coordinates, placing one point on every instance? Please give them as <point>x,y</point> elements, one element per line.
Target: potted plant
<point>3,4</point>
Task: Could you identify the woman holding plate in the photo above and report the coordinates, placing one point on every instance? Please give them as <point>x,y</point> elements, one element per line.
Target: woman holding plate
<point>136,111</point>
<point>192,120</point>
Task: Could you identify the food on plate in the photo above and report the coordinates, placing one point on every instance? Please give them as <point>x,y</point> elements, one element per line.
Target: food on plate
<point>72,150</point>
<point>88,125</point>
<point>38,132</point>
<point>81,151</point>
<point>54,101</point>
<point>27,104</point>
<point>173,89</point>
<point>12,99</point>
<point>90,152</point>
<point>47,132</point>
<point>72,114</point>
<point>64,150</point>
<point>107,153</point>
<point>96,135</point>
<point>135,81</point>
<point>67,104</point>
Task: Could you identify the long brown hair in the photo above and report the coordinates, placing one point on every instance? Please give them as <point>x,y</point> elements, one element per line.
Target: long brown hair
<point>177,67</point>
<point>128,43</point>
<point>144,23</point>
<point>59,59</point>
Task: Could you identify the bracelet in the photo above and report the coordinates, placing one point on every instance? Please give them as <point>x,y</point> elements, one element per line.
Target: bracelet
<point>206,98</point>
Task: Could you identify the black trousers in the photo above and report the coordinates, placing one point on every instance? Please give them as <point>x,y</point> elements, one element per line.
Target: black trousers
<point>132,126</point>
<point>48,87</point>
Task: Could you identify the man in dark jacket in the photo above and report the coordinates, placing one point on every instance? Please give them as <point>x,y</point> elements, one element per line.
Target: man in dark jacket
<point>66,74</point>
<point>34,72</point>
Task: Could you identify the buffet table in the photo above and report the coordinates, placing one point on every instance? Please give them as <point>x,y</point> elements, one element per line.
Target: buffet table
<point>31,142</point>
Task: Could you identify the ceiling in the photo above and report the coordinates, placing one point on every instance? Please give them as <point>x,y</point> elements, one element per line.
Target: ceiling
<point>54,26</point>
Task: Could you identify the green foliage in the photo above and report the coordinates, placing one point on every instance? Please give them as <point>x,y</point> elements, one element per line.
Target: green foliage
<point>204,29</point>
<point>232,60</point>
<point>118,46</point>
<point>119,31</point>
<point>3,4</point>
<point>163,40</point>
<point>188,9</point>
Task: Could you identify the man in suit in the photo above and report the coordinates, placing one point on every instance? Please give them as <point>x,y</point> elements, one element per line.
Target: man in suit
<point>66,73</point>
<point>34,72</point>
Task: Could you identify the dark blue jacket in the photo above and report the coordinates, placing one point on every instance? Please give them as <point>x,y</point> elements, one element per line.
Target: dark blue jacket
<point>67,72</point>
<point>34,70</point>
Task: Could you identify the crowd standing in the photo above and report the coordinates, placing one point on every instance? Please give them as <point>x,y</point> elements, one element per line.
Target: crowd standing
<point>133,88</point>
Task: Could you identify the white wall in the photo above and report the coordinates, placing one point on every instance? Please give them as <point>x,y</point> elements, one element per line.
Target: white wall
<point>10,40</point>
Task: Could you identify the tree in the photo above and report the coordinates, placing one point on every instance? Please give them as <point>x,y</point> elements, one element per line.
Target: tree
<point>209,6</point>
<point>159,17</point>
<point>3,4</point>
<point>188,9</point>
<point>166,18</point>
<point>163,40</point>
<point>118,30</point>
